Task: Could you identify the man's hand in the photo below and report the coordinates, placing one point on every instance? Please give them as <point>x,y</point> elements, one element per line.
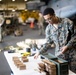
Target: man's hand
<point>64,49</point>
<point>36,55</point>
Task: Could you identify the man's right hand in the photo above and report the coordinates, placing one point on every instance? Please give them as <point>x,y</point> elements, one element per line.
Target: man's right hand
<point>36,55</point>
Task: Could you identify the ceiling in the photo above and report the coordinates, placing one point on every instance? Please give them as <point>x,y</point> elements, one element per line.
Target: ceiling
<point>7,1</point>
<point>21,4</point>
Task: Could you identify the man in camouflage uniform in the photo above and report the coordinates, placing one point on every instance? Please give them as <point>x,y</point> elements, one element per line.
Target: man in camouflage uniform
<point>40,24</point>
<point>1,23</point>
<point>58,31</point>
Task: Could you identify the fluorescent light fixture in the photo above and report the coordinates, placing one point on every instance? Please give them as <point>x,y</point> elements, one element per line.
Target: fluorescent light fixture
<point>25,0</point>
<point>13,0</point>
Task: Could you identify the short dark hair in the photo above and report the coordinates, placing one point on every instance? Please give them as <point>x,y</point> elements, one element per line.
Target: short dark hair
<point>49,11</point>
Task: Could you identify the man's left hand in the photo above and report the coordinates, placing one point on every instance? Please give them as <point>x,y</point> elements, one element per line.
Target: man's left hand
<point>64,49</point>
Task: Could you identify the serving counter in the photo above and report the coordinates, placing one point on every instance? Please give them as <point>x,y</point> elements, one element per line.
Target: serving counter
<point>31,66</point>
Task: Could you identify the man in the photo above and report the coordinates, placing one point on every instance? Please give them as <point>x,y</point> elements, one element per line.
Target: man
<point>1,23</point>
<point>59,31</point>
<point>40,24</point>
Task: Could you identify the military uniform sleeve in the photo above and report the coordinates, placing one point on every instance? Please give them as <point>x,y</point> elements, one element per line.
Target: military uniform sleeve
<point>71,26</point>
<point>48,34</point>
<point>72,42</point>
<point>48,43</point>
<point>70,30</point>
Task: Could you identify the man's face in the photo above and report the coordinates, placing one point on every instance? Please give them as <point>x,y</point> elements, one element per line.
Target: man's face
<point>48,18</point>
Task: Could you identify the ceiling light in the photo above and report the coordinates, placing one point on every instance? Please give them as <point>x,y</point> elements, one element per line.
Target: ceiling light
<point>0,0</point>
<point>25,0</point>
<point>13,0</point>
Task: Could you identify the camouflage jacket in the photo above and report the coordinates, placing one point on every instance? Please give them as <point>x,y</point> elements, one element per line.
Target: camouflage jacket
<point>60,36</point>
